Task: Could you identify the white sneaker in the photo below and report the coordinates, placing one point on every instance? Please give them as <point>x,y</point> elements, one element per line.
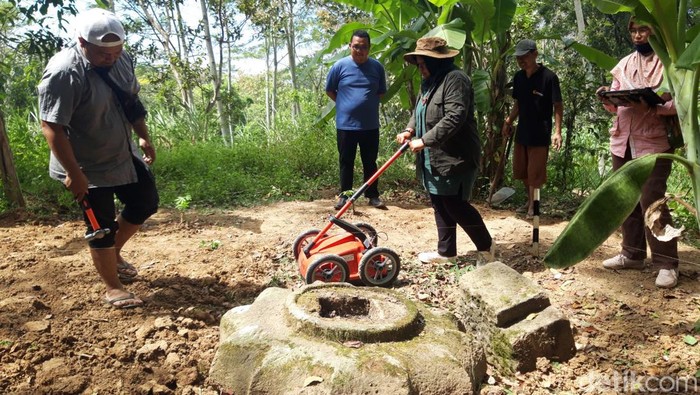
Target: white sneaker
<point>484,257</point>
<point>434,257</point>
<point>620,261</point>
<point>667,278</point>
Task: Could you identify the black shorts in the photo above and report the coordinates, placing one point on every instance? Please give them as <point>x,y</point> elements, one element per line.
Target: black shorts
<point>140,201</point>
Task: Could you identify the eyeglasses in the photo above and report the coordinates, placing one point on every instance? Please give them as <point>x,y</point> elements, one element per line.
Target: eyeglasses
<point>640,30</point>
<point>359,48</point>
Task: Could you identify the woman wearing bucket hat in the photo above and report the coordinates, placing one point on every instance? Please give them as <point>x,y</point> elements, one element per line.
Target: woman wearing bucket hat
<point>447,149</point>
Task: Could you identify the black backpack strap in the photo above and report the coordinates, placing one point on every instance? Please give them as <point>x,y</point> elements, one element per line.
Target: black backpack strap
<point>131,104</point>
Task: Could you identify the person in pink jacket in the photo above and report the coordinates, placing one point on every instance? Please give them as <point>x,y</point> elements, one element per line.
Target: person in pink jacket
<point>640,129</point>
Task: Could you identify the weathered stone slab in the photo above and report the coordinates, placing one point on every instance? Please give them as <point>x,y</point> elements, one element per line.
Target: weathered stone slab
<point>513,315</point>
<point>504,295</point>
<point>546,334</point>
<point>267,349</point>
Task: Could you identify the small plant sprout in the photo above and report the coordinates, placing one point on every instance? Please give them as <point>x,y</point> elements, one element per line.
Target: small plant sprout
<point>182,203</point>
<point>210,245</point>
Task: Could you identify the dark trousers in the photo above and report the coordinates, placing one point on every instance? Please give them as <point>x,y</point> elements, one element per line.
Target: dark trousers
<point>140,201</point>
<point>451,211</point>
<point>635,235</point>
<point>348,140</point>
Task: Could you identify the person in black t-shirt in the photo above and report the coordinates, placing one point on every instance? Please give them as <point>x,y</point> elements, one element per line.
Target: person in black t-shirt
<point>537,96</point>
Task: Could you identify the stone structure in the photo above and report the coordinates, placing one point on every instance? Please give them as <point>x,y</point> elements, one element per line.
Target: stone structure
<point>513,315</point>
<point>335,338</point>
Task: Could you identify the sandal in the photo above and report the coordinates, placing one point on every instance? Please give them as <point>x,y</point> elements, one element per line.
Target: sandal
<point>125,302</point>
<point>126,271</point>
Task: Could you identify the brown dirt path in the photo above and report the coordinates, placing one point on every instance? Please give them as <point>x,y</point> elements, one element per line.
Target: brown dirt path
<point>57,335</point>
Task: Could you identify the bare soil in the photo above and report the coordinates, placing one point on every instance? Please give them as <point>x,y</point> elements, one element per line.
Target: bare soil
<point>58,336</point>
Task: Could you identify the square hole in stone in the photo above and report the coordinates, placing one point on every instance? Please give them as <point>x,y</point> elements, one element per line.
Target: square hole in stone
<point>343,306</point>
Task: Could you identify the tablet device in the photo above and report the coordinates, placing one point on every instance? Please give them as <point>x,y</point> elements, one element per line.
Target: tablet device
<point>624,97</point>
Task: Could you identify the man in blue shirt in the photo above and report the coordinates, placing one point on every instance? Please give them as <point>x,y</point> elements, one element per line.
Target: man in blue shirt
<point>356,83</point>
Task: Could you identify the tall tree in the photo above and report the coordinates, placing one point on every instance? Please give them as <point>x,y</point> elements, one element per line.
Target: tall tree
<point>165,21</point>
<point>291,53</point>
<point>580,21</point>
<point>15,17</point>
<point>268,17</point>
<point>215,73</point>
<point>8,174</point>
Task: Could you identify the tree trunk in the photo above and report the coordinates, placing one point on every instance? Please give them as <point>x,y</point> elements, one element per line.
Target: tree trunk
<point>214,74</point>
<point>229,87</point>
<point>568,123</point>
<point>268,106</point>
<point>495,145</point>
<point>10,182</point>
<point>275,62</point>
<point>580,22</point>
<point>164,35</point>
<point>186,93</point>
<point>291,50</point>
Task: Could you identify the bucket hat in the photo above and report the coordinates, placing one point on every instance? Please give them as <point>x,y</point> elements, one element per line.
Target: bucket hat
<point>433,47</point>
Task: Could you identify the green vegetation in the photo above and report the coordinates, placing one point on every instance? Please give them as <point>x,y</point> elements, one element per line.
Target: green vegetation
<point>210,245</point>
<point>252,171</point>
<point>603,212</point>
<point>269,136</point>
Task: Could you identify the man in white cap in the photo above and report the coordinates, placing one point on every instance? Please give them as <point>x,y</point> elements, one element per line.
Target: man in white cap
<point>89,109</point>
<point>536,95</point>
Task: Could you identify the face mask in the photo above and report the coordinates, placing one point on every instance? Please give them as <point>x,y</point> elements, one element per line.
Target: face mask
<point>644,49</point>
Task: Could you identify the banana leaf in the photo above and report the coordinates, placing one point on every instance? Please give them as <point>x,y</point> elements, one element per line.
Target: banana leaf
<point>601,213</point>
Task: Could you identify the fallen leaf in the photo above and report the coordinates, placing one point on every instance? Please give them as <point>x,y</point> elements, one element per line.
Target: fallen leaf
<point>690,340</point>
<point>353,344</point>
<point>652,220</point>
<point>566,284</point>
<point>312,380</point>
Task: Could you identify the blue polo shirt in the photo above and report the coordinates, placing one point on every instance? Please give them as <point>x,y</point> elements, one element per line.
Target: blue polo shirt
<point>357,88</point>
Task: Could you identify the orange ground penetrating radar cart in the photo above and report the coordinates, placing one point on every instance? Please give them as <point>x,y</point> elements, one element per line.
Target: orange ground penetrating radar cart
<point>351,255</point>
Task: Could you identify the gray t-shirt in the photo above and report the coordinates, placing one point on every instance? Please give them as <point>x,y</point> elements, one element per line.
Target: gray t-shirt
<point>72,94</point>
